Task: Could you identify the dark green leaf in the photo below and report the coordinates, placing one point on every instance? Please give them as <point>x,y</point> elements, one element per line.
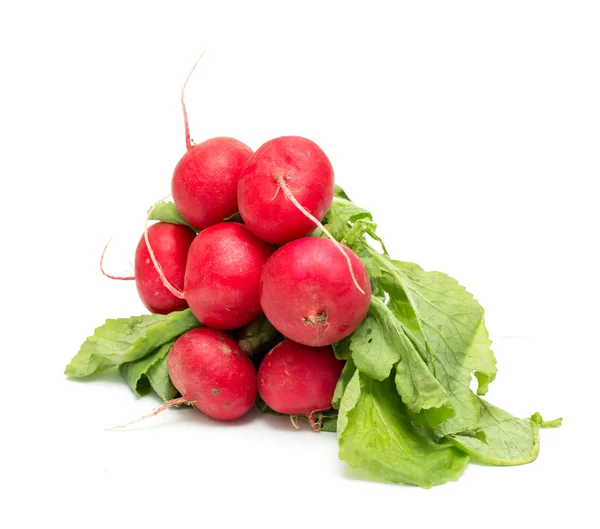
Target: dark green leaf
<point>258,336</point>
<point>150,372</point>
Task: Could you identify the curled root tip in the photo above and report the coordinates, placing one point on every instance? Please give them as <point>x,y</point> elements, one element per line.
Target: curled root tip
<point>104,273</point>
<point>317,423</point>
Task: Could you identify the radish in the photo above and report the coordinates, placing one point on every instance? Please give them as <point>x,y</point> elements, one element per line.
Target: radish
<point>223,274</point>
<point>297,379</point>
<point>170,243</point>
<point>290,165</point>
<point>213,374</point>
<point>204,183</point>
<point>308,295</point>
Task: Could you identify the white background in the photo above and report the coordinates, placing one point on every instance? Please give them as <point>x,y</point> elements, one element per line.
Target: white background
<point>470,129</point>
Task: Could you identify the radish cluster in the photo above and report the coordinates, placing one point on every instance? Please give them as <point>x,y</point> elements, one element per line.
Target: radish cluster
<point>254,300</point>
<point>314,291</point>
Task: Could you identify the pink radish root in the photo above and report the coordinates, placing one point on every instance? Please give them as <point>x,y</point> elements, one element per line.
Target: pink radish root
<point>120,278</point>
<point>188,140</point>
<point>175,402</point>
<point>175,291</point>
<point>290,196</point>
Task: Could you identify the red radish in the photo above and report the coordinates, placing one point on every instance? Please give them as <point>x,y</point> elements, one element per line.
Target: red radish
<point>204,185</point>
<point>303,168</point>
<point>297,379</point>
<point>213,374</point>
<point>222,275</point>
<point>309,296</point>
<point>170,243</point>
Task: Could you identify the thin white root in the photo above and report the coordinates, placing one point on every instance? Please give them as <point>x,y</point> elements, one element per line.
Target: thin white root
<point>290,196</point>
<point>120,278</point>
<point>176,292</point>
<point>294,421</point>
<point>188,140</point>
<point>165,406</point>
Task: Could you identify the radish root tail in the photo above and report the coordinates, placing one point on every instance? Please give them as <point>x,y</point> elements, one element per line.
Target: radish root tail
<point>175,291</point>
<point>290,196</point>
<point>188,139</point>
<point>317,423</point>
<point>294,421</point>
<point>120,278</point>
<point>175,402</point>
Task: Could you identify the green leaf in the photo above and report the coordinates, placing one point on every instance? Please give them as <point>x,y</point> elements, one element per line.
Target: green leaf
<point>150,372</point>
<point>342,215</point>
<point>374,345</point>
<point>349,399</point>
<point>342,348</point>
<point>128,339</point>
<point>445,319</point>
<point>159,378</point>
<point>339,192</point>
<point>340,388</point>
<point>375,434</point>
<point>258,336</point>
<point>329,424</point>
<point>537,418</point>
<point>382,342</point>
<point>373,267</point>
<point>168,212</point>
<point>328,420</point>
<point>500,438</point>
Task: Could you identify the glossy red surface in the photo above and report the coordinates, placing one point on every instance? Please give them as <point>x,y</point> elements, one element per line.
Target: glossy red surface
<point>263,205</point>
<point>222,275</point>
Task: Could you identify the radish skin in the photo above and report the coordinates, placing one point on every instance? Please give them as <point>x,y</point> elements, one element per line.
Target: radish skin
<point>170,244</point>
<point>210,371</point>
<point>264,206</point>
<point>308,295</point>
<point>222,275</point>
<point>205,181</point>
<point>297,379</point>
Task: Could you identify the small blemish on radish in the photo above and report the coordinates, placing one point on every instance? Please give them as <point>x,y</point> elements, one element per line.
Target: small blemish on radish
<point>319,319</point>
<point>222,386</point>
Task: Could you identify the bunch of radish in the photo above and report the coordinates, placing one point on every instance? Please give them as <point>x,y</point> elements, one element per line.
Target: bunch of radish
<point>313,290</point>
<point>255,301</point>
